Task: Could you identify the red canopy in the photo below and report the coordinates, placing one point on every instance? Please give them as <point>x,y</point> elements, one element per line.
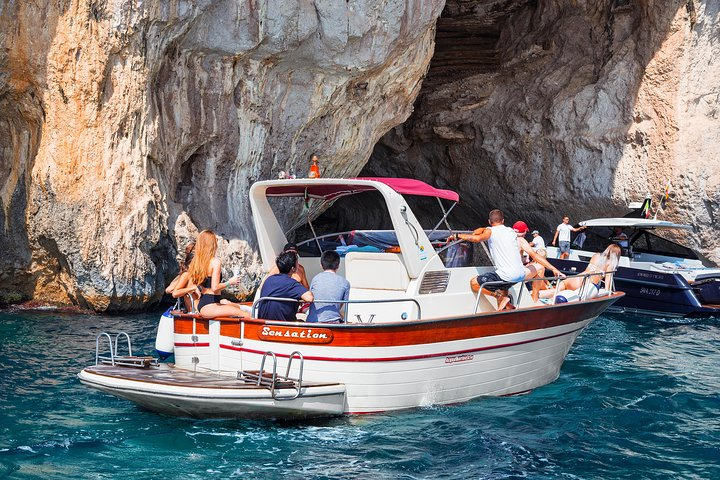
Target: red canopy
<point>330,192</point>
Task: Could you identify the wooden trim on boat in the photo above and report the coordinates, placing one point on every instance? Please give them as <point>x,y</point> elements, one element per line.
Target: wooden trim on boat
<point>412,332</point>
<point>184,326</point>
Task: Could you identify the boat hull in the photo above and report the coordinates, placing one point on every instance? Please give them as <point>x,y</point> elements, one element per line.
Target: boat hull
<point>403,365</point>
<point>184,393</point>
<point>655,293</point>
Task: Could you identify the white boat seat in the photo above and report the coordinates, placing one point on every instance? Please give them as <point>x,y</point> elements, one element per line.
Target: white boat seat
<point>376,271</point>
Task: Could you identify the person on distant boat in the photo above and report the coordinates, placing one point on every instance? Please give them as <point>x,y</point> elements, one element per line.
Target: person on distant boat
<point>620,238</point>
<point>205,272</point>
<point>504,246</point>
<point>538,242</point>
<point>328,285</point>
<point>181,285</point>
<point>563,231</point>
<point>299,273</point>
<point>601,264</point>
<point>283,285</point>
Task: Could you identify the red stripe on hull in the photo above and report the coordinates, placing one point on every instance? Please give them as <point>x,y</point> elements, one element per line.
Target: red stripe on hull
<point>192,344</point>
<point>423,332</point>
<point>408,357</point>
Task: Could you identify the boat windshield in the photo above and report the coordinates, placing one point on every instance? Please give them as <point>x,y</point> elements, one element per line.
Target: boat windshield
<point>640,240</point>
<point>646,242</point>
<point>360,223</point>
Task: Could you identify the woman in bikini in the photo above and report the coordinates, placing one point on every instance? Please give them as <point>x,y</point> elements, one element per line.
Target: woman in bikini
<point>205,271</point>
<point>601,265</point>
<point>181,286</point>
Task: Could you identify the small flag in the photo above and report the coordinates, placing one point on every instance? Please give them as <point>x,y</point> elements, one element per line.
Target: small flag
<point>645,212</point>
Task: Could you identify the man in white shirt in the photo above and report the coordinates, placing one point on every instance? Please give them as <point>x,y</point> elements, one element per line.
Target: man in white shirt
<point>537,242</point>
<point>562,233</point>
<point>505,246</point>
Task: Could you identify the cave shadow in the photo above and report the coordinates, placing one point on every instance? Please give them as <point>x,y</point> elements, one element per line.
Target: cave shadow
<point>463,136</point>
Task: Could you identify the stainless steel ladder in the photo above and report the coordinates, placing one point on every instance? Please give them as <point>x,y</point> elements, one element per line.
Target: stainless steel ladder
<point>114,359</point>
<point>273,381</point>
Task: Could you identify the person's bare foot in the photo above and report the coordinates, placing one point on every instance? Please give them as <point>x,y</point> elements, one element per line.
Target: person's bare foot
<point>503,302</point>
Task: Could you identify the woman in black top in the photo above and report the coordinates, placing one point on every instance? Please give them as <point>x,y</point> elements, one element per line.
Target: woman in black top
<point>205,270</point>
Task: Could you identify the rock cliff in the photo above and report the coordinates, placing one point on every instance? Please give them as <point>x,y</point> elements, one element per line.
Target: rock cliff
<point>541,108</point>
<point>126,126</point>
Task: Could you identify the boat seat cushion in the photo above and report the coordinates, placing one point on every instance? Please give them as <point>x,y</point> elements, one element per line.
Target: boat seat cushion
<point>376,271</point>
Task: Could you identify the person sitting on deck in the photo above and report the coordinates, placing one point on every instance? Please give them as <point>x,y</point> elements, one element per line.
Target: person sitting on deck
<point>328,285</point>
<point>299,273</point>
<point>181,286</point>
<point>205,270</point>
<point>601,264</point>
<point>533,268</point>
<point>283,285</point>
<point>505,247</point>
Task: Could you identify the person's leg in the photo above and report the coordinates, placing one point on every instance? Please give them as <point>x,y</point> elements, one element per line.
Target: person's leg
<point>228,302</point>
<point>501,295</point>
<point>474,285</point>
<point>503,299</point>
<point>217,310</point>
<point>534,270</point>
<point>550,292</point>
<point>564,250</point>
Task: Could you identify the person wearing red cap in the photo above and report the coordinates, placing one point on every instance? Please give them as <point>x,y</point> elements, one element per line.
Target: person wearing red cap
<point>505,248</point>
<point>533,269</point>
<point>520,227</point>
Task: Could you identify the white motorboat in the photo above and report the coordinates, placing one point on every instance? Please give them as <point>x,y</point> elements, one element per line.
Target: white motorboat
<point>415,335</point>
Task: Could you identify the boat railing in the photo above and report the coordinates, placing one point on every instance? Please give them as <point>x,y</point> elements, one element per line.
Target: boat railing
<point>98,358</point>
<point>115,359</point>
<point>345,302</point>
<point>274,380</point>
<point>584,276</point>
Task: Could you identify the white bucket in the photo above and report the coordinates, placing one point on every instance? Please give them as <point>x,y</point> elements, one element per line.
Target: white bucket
<point>165,339</point>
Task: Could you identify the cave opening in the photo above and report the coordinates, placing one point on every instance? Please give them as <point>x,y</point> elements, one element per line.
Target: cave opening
<point>529,107</point>
<point>467,41</point>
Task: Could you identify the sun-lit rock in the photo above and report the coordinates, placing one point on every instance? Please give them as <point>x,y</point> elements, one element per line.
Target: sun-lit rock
<point>118,118</point>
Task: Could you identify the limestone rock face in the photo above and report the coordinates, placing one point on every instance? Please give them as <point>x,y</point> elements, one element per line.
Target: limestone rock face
<point>545,108</point>
<point>127,126</point>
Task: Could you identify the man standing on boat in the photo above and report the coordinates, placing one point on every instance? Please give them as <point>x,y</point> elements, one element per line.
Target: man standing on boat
<point>505,247</point>
<point>564,231</point>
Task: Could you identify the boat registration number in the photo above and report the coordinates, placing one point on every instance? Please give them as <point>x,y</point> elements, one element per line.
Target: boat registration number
<point>650,291</point>
<point>295,334</point>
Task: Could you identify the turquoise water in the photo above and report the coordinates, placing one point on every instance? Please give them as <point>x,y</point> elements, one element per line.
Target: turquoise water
<point>636,398</point>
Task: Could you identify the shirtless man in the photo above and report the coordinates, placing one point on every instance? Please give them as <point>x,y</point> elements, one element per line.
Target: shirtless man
<point>505,247</point>
<point>533,269</point>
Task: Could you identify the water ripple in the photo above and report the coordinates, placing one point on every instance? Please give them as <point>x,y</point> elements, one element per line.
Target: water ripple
<point>637,398</point>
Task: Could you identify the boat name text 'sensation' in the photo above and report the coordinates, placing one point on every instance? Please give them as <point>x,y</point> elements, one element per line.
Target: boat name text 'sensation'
<point>296,335</point>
